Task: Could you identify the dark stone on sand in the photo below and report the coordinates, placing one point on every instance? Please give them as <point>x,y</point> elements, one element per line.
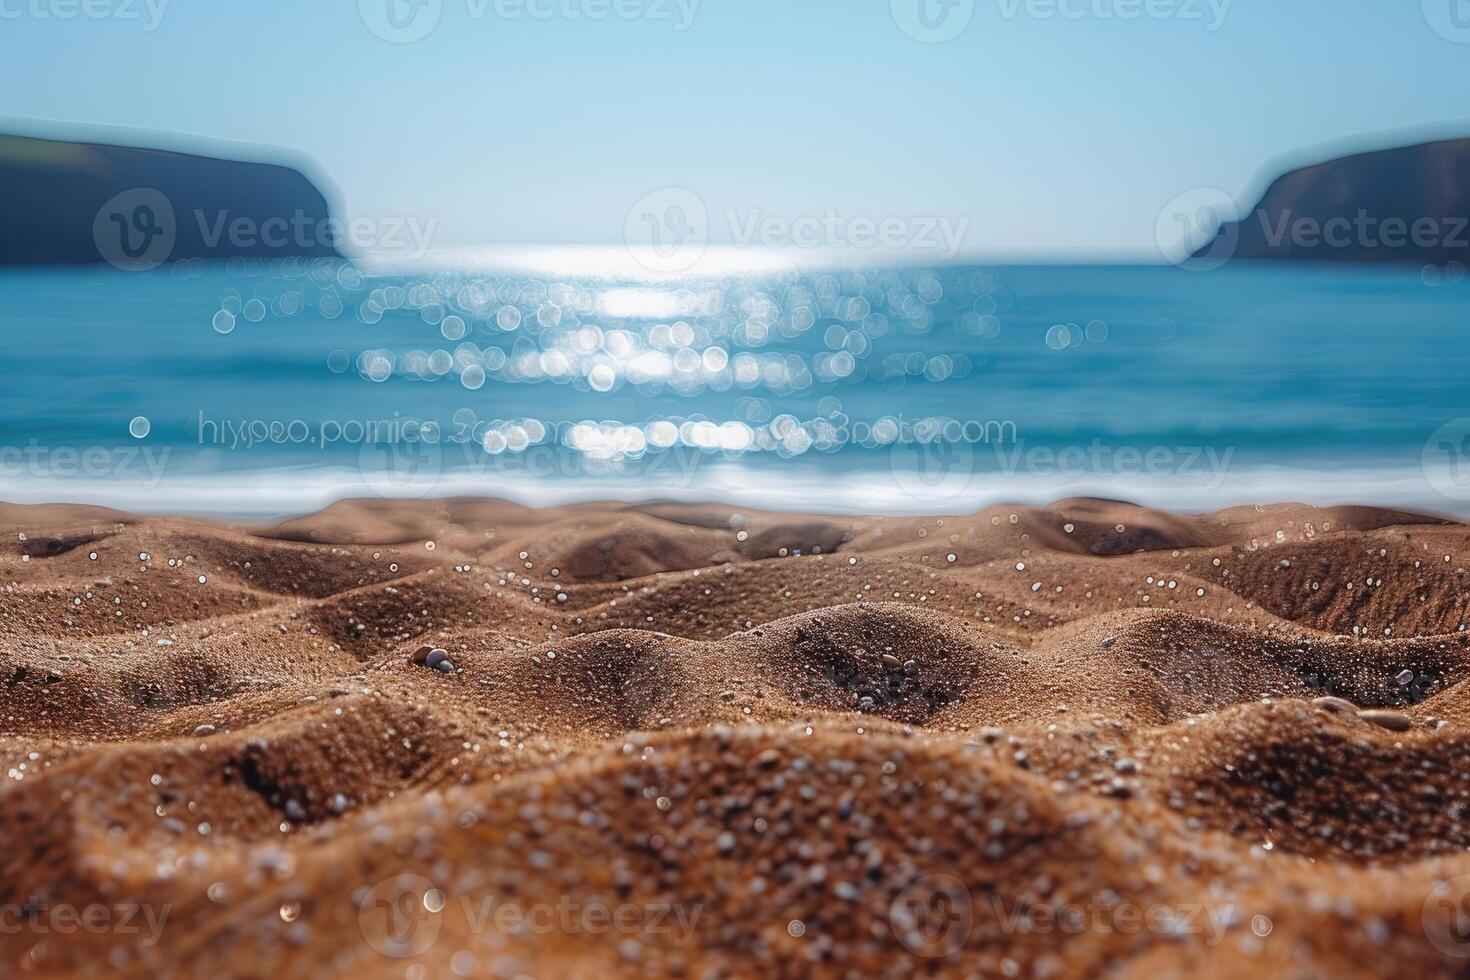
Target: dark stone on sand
<point>1394,721</point>
<point>1336,706</point>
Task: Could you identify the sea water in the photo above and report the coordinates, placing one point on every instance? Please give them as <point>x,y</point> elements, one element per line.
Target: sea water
<point>257,389</point>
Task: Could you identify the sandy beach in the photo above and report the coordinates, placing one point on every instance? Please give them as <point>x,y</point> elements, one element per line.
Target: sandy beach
<point>431,739</point>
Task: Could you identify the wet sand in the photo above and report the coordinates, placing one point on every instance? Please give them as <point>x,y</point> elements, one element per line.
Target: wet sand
<point>1084,740</point>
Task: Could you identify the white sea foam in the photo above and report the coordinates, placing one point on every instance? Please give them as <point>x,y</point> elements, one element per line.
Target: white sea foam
<point>272,493</point>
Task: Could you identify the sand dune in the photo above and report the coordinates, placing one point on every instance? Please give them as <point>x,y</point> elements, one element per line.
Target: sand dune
<point>1089,739</point>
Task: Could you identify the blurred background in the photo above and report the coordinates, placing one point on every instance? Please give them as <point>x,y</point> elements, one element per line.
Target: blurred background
<point>950,252</point>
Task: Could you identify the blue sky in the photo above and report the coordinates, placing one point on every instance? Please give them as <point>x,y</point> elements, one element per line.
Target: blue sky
<point>1062,130</point>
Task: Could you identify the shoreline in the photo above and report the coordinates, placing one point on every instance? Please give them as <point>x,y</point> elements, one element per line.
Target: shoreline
<point>264,495</point>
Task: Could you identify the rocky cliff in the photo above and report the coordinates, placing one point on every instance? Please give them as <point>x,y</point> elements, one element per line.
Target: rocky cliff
<point>73,202</point>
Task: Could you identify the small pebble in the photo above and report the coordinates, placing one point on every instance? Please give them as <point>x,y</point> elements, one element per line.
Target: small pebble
<point>1336,706</point>
<point>1394,721</point>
